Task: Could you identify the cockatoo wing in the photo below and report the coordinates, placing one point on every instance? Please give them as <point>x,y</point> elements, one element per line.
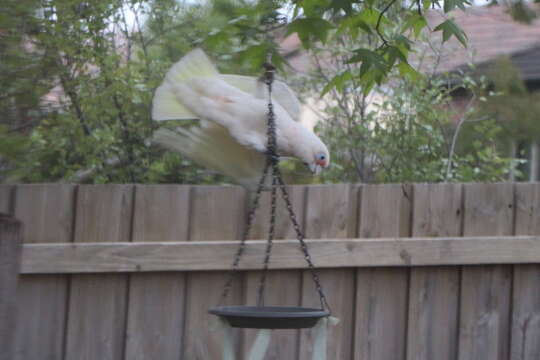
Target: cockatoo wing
<point>165,105</point>
<point>211,146</point>
<point>281,92</point>
<point>228,137</point>
<point>207,143</point>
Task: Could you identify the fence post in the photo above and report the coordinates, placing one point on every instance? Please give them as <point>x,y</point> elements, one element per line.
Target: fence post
<point>10,256</point>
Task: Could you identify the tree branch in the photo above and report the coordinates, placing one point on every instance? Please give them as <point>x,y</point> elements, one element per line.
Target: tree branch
<point>377,27</point>
<point>462,120</point>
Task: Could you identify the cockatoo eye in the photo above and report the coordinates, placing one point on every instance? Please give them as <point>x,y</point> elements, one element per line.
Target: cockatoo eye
<point>320,159</point>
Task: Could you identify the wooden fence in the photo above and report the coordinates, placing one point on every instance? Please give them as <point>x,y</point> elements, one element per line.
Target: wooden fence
<point>123,271</point>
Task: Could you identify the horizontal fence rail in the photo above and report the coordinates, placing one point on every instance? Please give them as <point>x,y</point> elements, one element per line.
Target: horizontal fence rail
<point>325,253</point>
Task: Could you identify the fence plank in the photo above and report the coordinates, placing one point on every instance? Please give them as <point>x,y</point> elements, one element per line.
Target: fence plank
<point>6,198</point>
<point>526,289</point>
<point>282,287</point>
<point>10,253</point>
<point>216,213</point>
<point>434,292</point>
<point>97,303</point>
<point>381,294</point>
<point>156,301</point>
<point>485,294</point>
<point>331,213</point>
<point>47,214</point>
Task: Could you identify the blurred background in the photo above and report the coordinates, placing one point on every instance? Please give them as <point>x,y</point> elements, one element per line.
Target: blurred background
<point>77,80</point>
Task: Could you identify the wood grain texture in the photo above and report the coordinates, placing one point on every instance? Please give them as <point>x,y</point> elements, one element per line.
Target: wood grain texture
<point>526,287</point>
<point>161,213</point>
<point>326,253</point>
<point>47,212</point>
<point>381,294</point>
<point>331,212</point>
<point>6,198</point>
<point>434,292</point>
<point>10,256</point>
<point>485,290</point>
<point>156,301</point>
<point>216,213</point>
<point>282,287</point>
<point>97,303</point>
<point>217,210</point>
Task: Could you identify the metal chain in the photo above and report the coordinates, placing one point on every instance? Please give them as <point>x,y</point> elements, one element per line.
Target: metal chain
<point>272,160</point>
<point>272,156</point>
<point>269,243</point>
<point>303,246</point>
<point>241,247</point>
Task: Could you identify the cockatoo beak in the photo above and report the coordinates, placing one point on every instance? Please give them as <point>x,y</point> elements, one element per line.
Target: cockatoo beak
<point>315,168</point>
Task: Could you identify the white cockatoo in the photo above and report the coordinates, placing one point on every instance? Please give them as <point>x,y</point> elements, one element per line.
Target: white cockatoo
<point>231,112</point>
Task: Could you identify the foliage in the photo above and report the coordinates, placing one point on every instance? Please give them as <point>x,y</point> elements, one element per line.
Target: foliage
<point>77,79</point>
<point>79,84</point>
<point>392,25</point>
<point>515,108</point>
<point>406,131</point>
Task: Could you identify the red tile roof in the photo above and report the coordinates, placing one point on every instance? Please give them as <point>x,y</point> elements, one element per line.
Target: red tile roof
<point>491,32</point>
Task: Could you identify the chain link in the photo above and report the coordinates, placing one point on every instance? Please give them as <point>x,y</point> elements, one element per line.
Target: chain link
<point>250,220</point>
<point>272,161</point>
<point>303,246</point>
<point>269,243</point>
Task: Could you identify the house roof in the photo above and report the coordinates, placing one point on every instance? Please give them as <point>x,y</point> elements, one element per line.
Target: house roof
<point>492,33</point>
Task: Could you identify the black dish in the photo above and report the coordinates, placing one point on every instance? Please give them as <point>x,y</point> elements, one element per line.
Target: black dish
<point>269,317</point>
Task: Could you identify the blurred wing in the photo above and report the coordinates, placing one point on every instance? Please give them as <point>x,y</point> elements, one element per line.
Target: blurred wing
<point>212,146</point>
<point>281,92</point>
<point>166,105</point>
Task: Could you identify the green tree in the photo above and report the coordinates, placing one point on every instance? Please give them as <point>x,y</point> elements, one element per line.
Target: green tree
<point>515,109</point>
<point>408,130</point>
<point>104,59</point>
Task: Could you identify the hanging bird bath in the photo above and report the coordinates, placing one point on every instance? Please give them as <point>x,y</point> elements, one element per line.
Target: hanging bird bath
<point>269,317</point>
<point>261,316</point>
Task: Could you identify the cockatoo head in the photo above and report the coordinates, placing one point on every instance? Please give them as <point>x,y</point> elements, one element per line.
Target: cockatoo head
<point>314,154</point>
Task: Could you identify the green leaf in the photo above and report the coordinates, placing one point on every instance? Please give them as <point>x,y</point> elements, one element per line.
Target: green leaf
<point>450,5</point>
<point>256,55</point>
<point>371,16</point>
<point>353,24</point>
<point>408,71</point>
<point>392,54</point>
<point>337,82</point>
<point>310,30</point>
<point>345,5</point>
<point>449,28</point>
<point>315,8</point>
<point>416,22</point>
<point>369,59</point>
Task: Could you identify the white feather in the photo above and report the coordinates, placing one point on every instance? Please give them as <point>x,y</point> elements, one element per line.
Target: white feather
<point>165,105</point>
<point>212,146</point>
<point>232,112</point>
<point>281,92</point>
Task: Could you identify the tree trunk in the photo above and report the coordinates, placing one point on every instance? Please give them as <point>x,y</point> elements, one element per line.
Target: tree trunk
<point>535,162</point>
<point>513,156</point>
